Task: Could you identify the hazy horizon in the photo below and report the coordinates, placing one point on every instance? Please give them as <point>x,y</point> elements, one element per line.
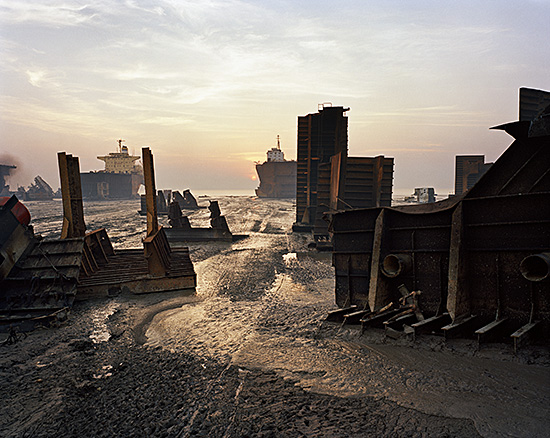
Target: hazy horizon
<point>209,85</point>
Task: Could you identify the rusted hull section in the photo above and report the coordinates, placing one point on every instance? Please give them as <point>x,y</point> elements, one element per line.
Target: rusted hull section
<point>127,271</point>
<point>351,183</point>
<point>15,237</point>
<point>480,259</point>
<point>42,284</point>
<point>320,136</point>
<point>328,180</point>
<point>37,278</point>
<point>363,238</point>
<point>477,246</point>
<point>499,233</point>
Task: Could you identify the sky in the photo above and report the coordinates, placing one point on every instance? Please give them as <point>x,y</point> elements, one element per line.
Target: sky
<point>209,84</point>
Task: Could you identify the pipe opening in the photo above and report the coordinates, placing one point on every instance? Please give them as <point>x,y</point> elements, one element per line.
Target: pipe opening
<point>396,264</point>
<point>535,267</point>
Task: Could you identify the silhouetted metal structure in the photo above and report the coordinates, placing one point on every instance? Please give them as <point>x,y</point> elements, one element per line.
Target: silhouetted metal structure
<point>320,136</point>
<point>468,170</point>
<point>531,103</point>
<point>351,183</point>
<point>478,262</point>
<point>328,180</point>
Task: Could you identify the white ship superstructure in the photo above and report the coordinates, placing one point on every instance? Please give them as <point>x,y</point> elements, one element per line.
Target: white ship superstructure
<point>121,161</point>
<point>120,179</point>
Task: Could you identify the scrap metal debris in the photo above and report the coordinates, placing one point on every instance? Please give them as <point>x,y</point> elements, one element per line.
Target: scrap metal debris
<point>40,279</point>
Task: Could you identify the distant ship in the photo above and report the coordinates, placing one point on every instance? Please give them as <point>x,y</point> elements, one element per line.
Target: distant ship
<point>120,179</point>
<point>40,190</point>
<point>277,175</point>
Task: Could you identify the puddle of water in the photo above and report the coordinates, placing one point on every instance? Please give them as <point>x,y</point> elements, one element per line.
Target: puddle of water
<point>100,332</point>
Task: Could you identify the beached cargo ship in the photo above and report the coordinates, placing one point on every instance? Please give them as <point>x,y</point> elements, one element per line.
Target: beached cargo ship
<point>120,179</point>
<point>277,175</point>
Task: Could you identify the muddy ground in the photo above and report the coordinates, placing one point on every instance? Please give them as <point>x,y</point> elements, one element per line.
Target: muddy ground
<point>249,355</point>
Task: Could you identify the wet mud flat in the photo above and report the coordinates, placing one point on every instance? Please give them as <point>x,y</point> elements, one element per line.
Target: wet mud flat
<point>250,355</point>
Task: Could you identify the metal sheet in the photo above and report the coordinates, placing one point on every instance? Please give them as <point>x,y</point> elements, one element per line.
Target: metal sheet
<point>466,252</point>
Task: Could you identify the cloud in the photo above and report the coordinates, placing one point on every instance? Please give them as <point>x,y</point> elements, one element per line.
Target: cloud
<point>42,78</point>
<point>47,13</point>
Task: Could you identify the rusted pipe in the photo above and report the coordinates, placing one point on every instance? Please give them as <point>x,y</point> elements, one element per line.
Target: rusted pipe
<point>396,264</point>
<point>536,267</point>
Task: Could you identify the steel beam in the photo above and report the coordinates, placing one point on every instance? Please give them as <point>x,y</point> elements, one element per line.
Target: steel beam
<point>73,211</point>
<point>379,294</point>
<point>430,325</point>
<point>458,302</point>
<point>524,335</point>
<point>491,331</point>
<point>150,191</point>
<point>338,315</point>
<point>465,327</point>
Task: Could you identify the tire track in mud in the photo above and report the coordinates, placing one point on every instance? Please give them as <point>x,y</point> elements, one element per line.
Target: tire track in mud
<point>245,271</point>
<point>235,288</point>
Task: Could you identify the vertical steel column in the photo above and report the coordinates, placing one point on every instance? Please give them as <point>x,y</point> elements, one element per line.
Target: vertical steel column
<point>377,177</point>
<point>73,211</point>
<point>458,299</point>
<point>306,217</point>
<point>150,191</point>
<point>338,176</point>
<point>379,294</point>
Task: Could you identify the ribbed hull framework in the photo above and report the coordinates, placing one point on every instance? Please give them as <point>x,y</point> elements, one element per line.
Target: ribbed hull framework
<point>320,136</point>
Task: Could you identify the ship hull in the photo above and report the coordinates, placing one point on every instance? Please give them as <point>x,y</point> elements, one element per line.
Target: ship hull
<point>277,179</point>
<point>109,185</point>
